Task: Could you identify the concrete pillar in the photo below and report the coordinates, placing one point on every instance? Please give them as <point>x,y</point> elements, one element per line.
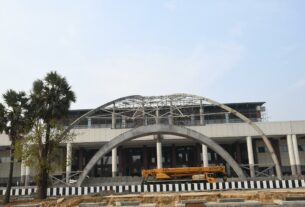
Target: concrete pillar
<point>205,158</point>
<point>144,115</point>
<point>113,122</point>
<point>201,112</point>
<point>296,154</point>
<point>89,122</point>
<point>113,118</point>
<point>193,119</point>
<point>250,156</point>
<point>227,117</point>
<point>27,175</point>
<point>157,116</point>
<point>170,117</point>
<point>291,154</point>
<point>123,122</point>
<point>114,162</point>
<point>145,122</point>
<point>68,161</point>
<point>159,151</point>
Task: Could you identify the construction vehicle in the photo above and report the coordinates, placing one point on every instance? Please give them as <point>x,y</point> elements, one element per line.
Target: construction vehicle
<point>209,174</point>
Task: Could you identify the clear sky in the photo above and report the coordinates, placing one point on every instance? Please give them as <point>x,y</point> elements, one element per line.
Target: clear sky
<point>227,50</point>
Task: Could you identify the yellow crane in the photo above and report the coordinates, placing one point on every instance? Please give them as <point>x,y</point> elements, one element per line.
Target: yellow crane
<point>208,174</point>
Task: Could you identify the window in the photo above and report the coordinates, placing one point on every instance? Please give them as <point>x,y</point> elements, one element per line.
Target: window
<point>301,147</point>
<point>261,149</point>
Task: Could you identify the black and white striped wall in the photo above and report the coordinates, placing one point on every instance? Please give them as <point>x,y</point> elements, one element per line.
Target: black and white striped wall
<point>170,187</point>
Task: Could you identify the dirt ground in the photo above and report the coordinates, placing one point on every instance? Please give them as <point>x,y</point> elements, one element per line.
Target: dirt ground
<point>163,199</point>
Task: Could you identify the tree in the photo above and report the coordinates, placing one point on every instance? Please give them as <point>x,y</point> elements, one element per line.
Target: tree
<point>15,122</point>
<point>50,100</point>
<point>33,142</point>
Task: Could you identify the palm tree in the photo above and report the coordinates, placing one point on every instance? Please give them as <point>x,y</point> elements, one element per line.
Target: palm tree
<point>51,100</point>
<point>15,122</point>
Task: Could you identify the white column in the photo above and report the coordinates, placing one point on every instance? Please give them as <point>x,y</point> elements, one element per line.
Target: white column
<point>227,117</point>
<point>68,161</point>
<point>113,122</point>
<point>170,117</point>
<point>123,122</point>
<point>205,158</point>
<point>296,154</point>
<point>114,162</point>
<point>27,175</point>
<point>193,119</point>
<point>89,122</point>
<point>143,114</point>
<point>159,152</point>
<point>201,113</point>
<point>250,156</point>
<point>291,154</point>
<point>157,116</point>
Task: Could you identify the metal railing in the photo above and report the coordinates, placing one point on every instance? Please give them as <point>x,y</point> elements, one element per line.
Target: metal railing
<point>62,181</point>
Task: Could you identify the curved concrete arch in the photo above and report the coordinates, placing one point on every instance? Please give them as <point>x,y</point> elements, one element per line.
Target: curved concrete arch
<point>256,128</point>
<point>89,113</point>
<point>224,107</point>
<point>160,129</point>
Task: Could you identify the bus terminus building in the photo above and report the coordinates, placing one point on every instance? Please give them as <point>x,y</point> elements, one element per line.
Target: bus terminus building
<point>126,135</point>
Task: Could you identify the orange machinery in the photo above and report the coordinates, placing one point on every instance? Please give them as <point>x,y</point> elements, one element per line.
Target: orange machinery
<point>208,174</point>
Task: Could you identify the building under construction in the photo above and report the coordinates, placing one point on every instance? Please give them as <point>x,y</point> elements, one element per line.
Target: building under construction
<point>126,135</point>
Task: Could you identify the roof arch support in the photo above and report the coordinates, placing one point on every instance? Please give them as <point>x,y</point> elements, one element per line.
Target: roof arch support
<point>160,129</point>
<point>181,96</point>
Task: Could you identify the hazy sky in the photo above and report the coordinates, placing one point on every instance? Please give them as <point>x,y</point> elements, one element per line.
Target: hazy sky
<point>230,51</point>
